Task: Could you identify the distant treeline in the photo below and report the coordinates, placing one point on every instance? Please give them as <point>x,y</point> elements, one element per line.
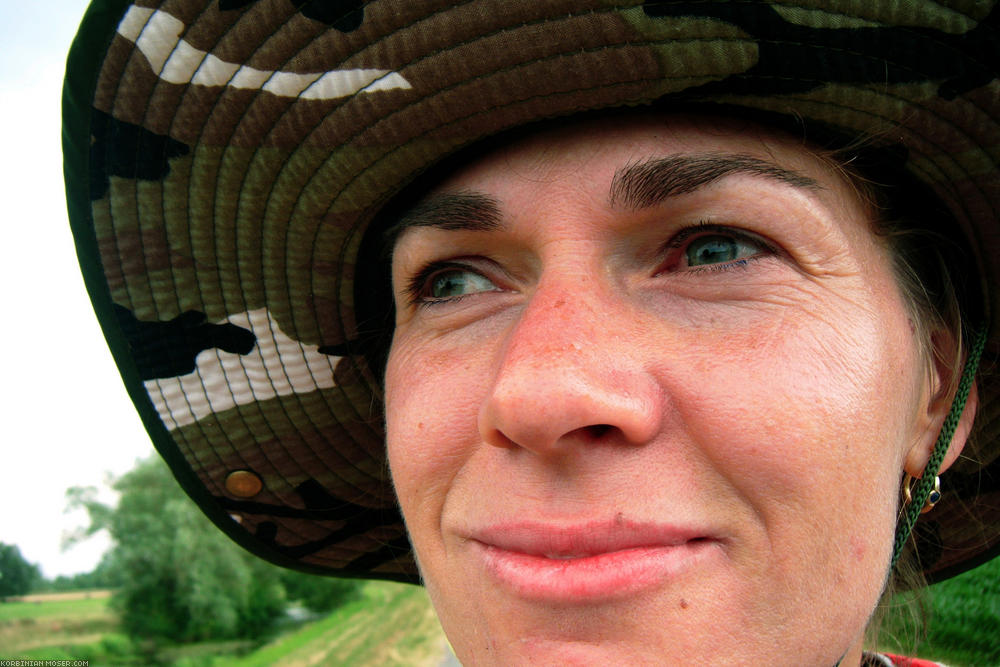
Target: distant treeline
<point>103,576</point>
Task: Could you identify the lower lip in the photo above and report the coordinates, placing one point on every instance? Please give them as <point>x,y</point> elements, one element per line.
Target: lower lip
<point>600,577</point>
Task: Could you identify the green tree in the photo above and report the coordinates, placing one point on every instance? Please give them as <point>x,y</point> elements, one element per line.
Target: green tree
<point>181,578</point>
<point>17,575</point>
<point>320,594</point>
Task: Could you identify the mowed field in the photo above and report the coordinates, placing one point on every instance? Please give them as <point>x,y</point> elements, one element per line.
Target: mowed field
<point>392,624</point>
<point>34,622</point>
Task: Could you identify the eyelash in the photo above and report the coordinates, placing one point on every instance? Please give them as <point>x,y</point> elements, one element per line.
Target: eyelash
<point>418,286</point>
<point>704,228</point>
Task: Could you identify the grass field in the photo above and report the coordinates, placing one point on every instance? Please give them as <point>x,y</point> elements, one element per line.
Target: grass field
<point>962,618</point>
<point>80,603</point>
<point>393,624</point>
<point>41,622</point>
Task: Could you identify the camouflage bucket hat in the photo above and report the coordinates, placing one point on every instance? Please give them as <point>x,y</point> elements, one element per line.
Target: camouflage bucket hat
<point>224,159</point>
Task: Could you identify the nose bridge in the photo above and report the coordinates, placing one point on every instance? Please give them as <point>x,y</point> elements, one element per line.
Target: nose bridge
<point>570,372</point>
<point>559,325</point>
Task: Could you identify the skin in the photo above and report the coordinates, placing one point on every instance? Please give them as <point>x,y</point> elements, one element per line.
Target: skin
<point>566,366</point>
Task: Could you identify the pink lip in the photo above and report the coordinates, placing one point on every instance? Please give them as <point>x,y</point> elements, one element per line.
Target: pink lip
<point>589,562</point>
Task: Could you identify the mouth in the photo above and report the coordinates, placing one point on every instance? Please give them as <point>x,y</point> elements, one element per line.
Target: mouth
<point>589,562</point>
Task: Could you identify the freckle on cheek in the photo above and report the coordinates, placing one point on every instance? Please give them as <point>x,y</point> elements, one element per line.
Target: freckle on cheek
<point>858,549</point>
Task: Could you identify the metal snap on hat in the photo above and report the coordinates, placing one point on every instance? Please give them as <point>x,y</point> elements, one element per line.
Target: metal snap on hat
<point>224,158</point>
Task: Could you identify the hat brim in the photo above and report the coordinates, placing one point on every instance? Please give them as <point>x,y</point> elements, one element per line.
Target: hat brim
<point>224,159</point>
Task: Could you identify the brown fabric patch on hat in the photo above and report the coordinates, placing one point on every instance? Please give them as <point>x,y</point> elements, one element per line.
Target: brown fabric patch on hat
<point>287,440</point>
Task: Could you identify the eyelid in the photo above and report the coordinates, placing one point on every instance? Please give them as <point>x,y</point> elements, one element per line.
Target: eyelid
<point>687,234</point>
<point>417,285</point>
<point>702,228</point>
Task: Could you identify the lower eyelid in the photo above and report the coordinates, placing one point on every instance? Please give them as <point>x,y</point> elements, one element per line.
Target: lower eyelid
<point>677,265</point>
<point>734,265</point>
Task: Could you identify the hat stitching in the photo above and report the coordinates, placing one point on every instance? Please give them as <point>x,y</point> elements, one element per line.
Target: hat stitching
<point>265,419</point>
<point>187,63</point>
<point>830,11</point>
<point>160,440</point>
<point>175,433</point>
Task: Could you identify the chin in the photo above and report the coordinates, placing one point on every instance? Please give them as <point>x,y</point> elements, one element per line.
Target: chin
<point>676,624</point>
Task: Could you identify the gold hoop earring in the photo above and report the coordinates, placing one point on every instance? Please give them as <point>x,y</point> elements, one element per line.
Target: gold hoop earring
<point>932,498</point>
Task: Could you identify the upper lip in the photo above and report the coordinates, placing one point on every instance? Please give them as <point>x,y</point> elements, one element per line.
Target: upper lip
<point>582,539</point>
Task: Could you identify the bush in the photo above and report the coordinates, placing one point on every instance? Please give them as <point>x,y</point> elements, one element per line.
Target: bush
<point>320,594</point>
<point>182,579</point>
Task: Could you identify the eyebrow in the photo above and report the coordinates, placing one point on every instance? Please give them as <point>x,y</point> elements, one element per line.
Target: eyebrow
<point>450,211</point>
<point>650,182</point>
<point>634,186</point>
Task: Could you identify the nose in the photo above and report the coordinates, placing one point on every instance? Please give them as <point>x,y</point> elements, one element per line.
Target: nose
<point>572,372</point>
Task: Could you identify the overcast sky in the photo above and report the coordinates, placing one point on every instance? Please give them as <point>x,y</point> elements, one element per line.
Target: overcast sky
<point>67,420</point>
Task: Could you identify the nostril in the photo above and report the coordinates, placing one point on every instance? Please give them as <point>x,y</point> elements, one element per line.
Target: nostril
<point>499,439</point>
<point>598,431</point>
<point>592,433</point>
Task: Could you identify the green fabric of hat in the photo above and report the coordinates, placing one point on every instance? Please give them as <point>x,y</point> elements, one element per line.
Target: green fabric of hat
<point>224,159</point>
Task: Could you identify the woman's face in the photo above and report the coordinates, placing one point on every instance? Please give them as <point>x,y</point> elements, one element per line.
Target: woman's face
<point>649,397</point>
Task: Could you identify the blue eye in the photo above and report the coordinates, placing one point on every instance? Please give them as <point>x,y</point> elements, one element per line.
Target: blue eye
<point>454,283</point>
<point>718,249</point>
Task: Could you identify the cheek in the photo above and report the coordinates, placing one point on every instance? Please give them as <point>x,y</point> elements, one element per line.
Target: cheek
<point>432,402</point>
<point>812,388</point>
<point>808,420</point>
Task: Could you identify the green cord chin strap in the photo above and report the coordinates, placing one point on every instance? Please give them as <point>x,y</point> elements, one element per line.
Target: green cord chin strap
<point>922,489</point>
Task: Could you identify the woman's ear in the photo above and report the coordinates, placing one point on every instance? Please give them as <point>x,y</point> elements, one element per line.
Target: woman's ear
<point>943,381</point>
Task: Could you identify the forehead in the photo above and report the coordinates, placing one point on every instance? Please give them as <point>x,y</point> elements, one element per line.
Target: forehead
<point>598,149</point>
